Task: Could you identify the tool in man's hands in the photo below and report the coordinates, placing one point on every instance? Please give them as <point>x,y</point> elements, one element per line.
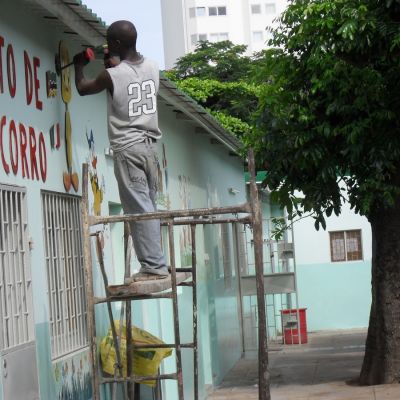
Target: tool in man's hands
<point>88,55</point>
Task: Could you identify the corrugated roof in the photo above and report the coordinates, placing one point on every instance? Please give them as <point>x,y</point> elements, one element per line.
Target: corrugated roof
<point>88,16</point>
<point>75,19</point>
<point>72,18</point>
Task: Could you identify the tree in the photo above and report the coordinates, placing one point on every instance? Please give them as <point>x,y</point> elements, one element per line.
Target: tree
<point>329,126</point>
<point>217,75</point>
<point>220,61</point>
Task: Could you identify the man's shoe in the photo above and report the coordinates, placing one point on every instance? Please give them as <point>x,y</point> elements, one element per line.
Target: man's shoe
<point>142,277</point>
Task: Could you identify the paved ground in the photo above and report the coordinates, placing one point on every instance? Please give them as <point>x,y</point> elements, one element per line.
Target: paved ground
<point>322,369</point>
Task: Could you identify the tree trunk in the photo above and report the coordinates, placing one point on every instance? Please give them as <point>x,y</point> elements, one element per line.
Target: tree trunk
<point>382,354</point>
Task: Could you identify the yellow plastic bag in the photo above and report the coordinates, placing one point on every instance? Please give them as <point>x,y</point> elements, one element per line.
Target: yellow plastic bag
<point>145,361</point>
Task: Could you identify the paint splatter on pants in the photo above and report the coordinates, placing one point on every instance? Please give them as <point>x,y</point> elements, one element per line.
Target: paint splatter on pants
<point>136,171</point>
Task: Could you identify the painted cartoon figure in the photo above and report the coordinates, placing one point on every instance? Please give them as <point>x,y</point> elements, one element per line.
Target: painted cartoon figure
<point>69,177</point>
<point>97,187</point>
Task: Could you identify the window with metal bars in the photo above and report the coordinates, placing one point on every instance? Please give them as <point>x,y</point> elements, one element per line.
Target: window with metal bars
<point>64,264</point>
<point>346,245</point>
<point>16,318</point>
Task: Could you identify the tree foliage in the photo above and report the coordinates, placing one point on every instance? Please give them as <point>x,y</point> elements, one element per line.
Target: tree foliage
<point>220,61</point>
<point>328,123</point>
<point>217,75</point>
<point>329,127</point>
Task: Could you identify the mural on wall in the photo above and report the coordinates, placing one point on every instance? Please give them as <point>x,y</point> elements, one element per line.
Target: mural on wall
<point>98,188</point>
<point>185,239</point>
<point>22,145</point>
<point>51,84</point>
<point>162,189</point>
<point>55,137</point>
<point>69,178</point>
<point>73,378</point>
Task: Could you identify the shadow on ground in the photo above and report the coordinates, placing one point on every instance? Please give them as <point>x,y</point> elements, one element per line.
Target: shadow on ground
<point>325,369</point>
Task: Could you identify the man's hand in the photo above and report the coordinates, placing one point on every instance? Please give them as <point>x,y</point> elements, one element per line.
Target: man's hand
<point>81,59</point>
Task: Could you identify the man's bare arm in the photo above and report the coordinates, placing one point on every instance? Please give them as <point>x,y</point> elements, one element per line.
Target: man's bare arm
<point>90,86</point>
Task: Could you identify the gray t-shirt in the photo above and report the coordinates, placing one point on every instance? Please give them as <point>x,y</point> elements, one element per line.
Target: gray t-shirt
<point>132,109</point>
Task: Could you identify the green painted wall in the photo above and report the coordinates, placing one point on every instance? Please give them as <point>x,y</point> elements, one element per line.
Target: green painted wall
<point>211,172</point>
<point>336,295</point>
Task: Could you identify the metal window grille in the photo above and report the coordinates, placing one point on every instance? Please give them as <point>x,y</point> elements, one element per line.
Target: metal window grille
<point>16,317</point>
<point>338,252</point>
<point>354,245</point>
<point>65,274</point>
<point>346,245</point>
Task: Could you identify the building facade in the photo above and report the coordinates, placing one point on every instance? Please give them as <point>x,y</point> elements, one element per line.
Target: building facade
<point>186,22</point>
<point>334,271</point>
<point>46,132</point>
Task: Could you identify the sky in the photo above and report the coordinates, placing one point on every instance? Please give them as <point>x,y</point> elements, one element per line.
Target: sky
<point>145,14</point>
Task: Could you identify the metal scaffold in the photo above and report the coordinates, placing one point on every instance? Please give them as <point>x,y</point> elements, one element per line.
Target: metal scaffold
<point>248,213</point>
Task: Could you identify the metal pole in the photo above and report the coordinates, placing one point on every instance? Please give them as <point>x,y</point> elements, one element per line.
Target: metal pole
<point>89,283</point>
<point>194,291</point>
<point>237,238</point>
<point>175,311</point>
<point>168,215</point>
<point>296,290</point>
<point>129,339</point>
<point>118,364</point>
<point>263,373</point>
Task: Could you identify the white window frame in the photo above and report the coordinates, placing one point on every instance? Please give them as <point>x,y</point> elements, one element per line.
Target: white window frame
<point>195,12</point>
<point>196,38</point>
<point>16,305</point>
<point>63,247</point>
<point>202,37</point>
<point>216,37</point>
<point>269,7</point>
<point>259,39</point>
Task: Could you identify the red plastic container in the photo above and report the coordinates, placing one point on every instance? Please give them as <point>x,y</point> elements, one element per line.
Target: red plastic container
<point>290,326</point>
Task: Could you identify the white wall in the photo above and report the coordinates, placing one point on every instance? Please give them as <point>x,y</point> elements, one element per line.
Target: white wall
<point>312,246</point>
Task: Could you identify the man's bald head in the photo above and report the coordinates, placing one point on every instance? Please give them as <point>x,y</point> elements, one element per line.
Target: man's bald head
<point>123,32</point>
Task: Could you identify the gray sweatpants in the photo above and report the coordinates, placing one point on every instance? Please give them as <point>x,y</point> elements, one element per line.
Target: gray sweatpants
<point>136,171</point>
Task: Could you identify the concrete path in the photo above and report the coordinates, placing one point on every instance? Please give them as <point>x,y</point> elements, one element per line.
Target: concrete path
<point>322,369</point>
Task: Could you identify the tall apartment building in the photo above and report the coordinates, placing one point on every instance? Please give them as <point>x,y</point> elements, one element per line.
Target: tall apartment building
<point>186,22</point>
